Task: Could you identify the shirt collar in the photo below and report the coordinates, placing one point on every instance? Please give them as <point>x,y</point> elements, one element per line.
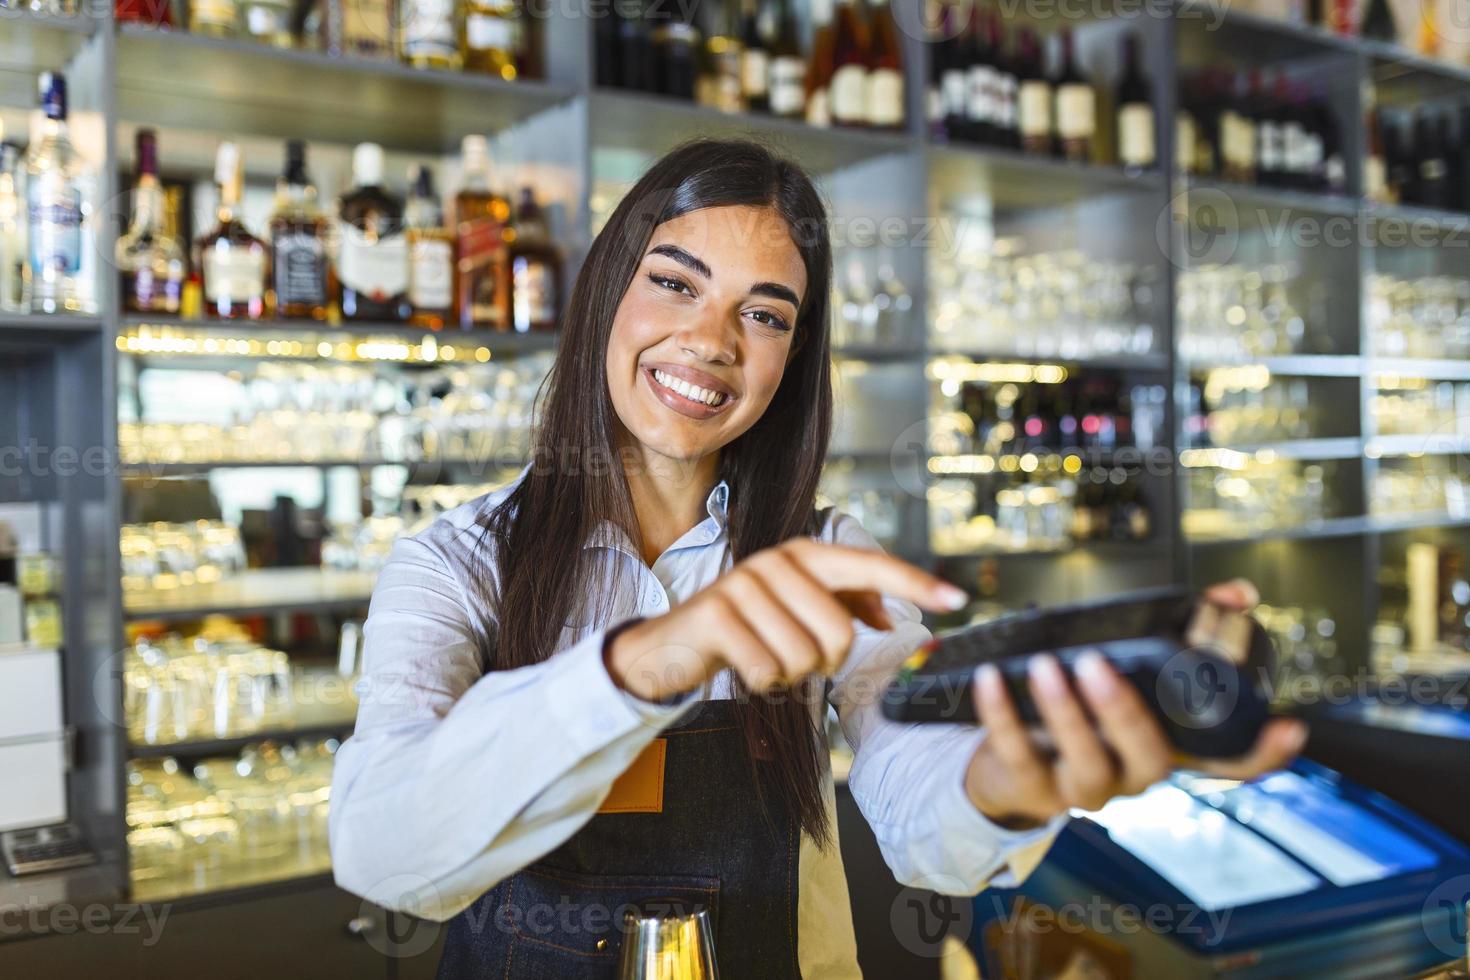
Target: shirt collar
<point>716,505</point>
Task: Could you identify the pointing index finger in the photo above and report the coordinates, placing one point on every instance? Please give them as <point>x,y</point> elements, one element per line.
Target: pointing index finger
<point>841,568</point>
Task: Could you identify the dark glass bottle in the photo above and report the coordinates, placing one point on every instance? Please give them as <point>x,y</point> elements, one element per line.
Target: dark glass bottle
<point>300,278</point>
<point>1003,108</point>
<point>1076,107</point>
<point>676,49</point>
<point>755,59</point>
<point>1136,121</point>
<point>635,47</point>
<point>884,98</point>
<point>1378,22</point>
<point>787,77</point>
<point>149,257</point>
<point>1034,99</point>
<point>1431,184</point>
<point>980,98</point>
<point>233,262</point>
<point>535,270</point>
<point>372,259</point>
<point>849,90</point>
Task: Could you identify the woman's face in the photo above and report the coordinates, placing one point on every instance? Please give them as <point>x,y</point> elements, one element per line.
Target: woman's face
<point>705,330</point>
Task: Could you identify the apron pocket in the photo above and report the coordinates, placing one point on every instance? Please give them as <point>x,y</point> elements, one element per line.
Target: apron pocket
<point>566,924</point>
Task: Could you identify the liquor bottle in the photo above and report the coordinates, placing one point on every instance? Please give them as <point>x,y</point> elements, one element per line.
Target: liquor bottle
<point>1034,99</point>
<point>676,58</point>
<point>787,82</point>
<point>300,272</point>
<point>359,28</point>
<point>823,66</point>
<point>1270,132</point>
<point>372,261</point>
<point>151,264</point>
<point>1136,124</point>
<point>720,81</point>
<point>214,18</point>
<point>231,260</point>
<point>494,37</point>
<point>941,44</point>
<point>12,230</point>
<point>1375,165</point>
<point>55,209</point>
<point>1431,186</point>
<point>607,66</point>
<point>268,21</point>
<point>1076,107</point>
<point>949,79</point>
<point>884,95</point>
<point>480,216</point>
<point>1237,128</point>
<point>755,60</point>
<point>1399,157</point>
<point>1342,16</point>
<point>635,47</point>
<point>849,89</point>
<point>429,34</point>
<point>430,255</point>
<point>1378,22</point>
<point>1187,130</point>
<point>1004,109</point>
<point>154,13</point>
<point>980,85</point>
<point>535,269</point>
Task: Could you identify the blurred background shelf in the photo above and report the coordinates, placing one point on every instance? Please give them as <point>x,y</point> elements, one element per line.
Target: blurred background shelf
<point>256,591</point>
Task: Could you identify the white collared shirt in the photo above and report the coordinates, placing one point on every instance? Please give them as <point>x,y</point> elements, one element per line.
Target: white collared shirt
<point>455,777</point>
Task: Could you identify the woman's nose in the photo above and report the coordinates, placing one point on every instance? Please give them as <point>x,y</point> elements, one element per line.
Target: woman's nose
<point>711,337</point>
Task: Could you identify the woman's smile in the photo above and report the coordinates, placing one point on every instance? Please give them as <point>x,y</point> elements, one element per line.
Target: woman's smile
<point>690,392</point>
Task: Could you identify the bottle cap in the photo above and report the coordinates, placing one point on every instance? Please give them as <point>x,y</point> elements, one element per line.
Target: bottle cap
<point>367,164</point>
<point>147,141</point>
<point>296,162</point>
<point>476,153</point>
<point>423,181</point>
<point>53,94</point>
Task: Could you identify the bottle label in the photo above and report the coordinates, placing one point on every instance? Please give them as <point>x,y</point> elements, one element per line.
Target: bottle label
<point>788,86</point>
<point>1035,108</point>
<point>486,32</point>
<point>981,96</point>
<point>375,267</point>
<point>367,25</point>
<point>55,211</point>
<point>1272,146</point>
<point>233,275</point>
<point>431,274</point>
<point>212,13</point>
<point>145,292</point>
<point>885,97</point>
<point>428,28</point>
<point>1186,139</point>
<point>533,292</point>
<point>955,94</point>
<point>266,22</point>
<point>754,66</point>
<point>1136,135</point>
<point>481,269</point>
<point>1375,179</point>
<point>300,268</point>
<point>1076,112</point>
<point>1433,168</point>
<point>1005,103</point>
<point>849,94</point>
<point>819,109</point>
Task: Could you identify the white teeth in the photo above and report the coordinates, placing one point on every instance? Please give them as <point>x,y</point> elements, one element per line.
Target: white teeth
<point>690,391</point>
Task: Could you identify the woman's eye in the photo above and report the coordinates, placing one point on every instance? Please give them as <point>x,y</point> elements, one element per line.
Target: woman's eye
<point>770,319</point>
<point>670,283</point>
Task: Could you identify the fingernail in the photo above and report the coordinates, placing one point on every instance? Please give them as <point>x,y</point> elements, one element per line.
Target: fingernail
<point>1297,740</point>
<point>952,597</point>
<point>1047,675</point>
<point>1093,671</point>
<point>987,677</point>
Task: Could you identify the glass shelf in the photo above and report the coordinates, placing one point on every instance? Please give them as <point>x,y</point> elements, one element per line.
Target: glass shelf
<point>255,590</point>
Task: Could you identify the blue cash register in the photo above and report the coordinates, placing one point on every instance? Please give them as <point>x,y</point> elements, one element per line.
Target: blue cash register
<point>1300,874</point>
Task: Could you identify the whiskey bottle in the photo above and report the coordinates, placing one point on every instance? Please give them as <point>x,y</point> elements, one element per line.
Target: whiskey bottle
<point>232,261</point>
<point>430,255</point>
<point>300,276</point>
<point>535,269</point>
<point>372,261</point>
<point>755,60</point>
<point>719,84</point>
<point>787,80</point>
<point>150,261</point>
<point>55,210</point>
<point>494,37</point>
<point>480,216</point>
<point>358,28</point>
<point>429,34</point>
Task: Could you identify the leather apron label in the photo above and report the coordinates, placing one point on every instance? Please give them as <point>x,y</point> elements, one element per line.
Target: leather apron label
<point>640,789</point>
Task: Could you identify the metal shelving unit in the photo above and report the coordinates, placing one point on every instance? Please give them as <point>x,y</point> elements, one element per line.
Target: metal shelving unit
<point>133,76</point>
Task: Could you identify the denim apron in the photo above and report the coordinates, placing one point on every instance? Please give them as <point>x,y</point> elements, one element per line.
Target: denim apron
<point>716,843</point>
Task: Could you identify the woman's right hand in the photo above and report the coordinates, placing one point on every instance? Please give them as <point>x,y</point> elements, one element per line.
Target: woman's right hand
<point>777,616</point>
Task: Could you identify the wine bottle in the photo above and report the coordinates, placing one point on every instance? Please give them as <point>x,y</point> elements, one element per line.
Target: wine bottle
<point>635,47</point>
<point>1378,22</point>
<point>721,83</point>
<point>1136,123</point>
<point>823,65</point>
<point>676,53</point>
<point>884,96</point>
<point>1462,159</point>
<point>1034,99</point>
<point>1431,188</point>
<point>535,270</point>
<point>1076,107</point>
<point>849,89</point>
<point>787,81</point>
<point>1004,112</point>
<point>755,61</point>
<point>981,79</point>
<point>372,262</point>
<point>1187,130</point>
<point>430,255</point>
<point>1270,131</point>
<point>1375,165</point>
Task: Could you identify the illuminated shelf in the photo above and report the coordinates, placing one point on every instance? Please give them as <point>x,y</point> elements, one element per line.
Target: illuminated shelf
<point>256,590</point>
<point>1240,195</point>
<point>1428,444</point>
<point>1306,450</point>
<point>1101,362</point>
<point>161,469</point>
<point>1291,365</point>
<point>874,352</point>
<point>1333,527</point>
<point>1270,37</point>
<point>1108,550</point>
<point>1430,370</point>
<point>236,883</point>
<point>1012,179</point>
<point>185,80</point>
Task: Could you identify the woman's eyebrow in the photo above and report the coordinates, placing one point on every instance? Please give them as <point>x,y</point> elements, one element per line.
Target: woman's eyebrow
<point>679,255</point>
<point>776,291</point>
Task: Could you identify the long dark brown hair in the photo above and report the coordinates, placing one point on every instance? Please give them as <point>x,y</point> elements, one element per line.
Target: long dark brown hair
<point>546,574</point>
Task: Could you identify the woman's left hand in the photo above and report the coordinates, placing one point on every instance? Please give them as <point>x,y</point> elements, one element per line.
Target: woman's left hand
<point>1015,783</point>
